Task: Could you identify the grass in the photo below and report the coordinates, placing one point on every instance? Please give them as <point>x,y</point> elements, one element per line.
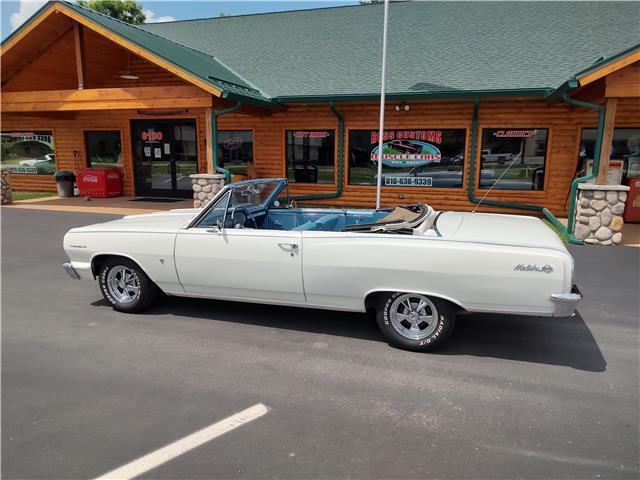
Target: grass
<point>29,195</point>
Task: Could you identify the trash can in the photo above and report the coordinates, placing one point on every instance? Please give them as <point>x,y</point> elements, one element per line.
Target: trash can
<point>64,183</point>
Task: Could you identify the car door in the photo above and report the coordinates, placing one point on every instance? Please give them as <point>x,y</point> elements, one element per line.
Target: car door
<point>239,263</point>
<point>248,264</point>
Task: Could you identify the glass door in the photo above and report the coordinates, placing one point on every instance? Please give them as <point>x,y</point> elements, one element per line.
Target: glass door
<point>165,154</point>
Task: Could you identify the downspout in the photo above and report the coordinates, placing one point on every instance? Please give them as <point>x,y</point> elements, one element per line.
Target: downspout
<point>214,139</point>
<point>596,153</point>
<point>520,206</point>
<point>338,192</point>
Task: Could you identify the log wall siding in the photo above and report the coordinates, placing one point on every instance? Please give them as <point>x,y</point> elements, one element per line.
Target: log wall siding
<point>68,136</point>
<point>564,123</point>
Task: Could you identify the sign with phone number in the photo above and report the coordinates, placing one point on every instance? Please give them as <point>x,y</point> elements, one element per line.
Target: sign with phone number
<point>408,181</point>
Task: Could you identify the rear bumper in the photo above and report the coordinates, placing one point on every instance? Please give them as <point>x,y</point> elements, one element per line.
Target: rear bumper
<point>565,303</point>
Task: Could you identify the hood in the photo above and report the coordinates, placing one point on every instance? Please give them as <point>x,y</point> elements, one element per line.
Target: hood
<point>170,220</point>
<point>498,229</point>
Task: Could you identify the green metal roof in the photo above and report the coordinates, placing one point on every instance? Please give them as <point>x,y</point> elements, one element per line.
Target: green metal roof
<point>434,47</point>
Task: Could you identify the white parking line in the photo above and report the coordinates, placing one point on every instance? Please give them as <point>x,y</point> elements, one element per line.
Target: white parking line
<point>182,446</point>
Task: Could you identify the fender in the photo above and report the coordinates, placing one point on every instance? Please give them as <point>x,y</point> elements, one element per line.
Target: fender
<point>420,292</point>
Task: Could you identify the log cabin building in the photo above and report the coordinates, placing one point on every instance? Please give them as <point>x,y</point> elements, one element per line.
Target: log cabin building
<point>516,96</point>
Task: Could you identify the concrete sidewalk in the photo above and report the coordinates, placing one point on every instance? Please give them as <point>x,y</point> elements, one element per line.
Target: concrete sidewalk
<point>113,206</point>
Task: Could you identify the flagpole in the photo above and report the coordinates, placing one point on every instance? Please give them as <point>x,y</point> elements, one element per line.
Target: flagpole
<point>382,99</point>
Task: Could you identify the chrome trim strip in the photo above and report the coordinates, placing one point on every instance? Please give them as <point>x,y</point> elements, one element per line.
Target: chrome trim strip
<point>68,267</point>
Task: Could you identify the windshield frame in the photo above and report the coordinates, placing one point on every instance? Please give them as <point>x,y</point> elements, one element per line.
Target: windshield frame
<point>281,184</point>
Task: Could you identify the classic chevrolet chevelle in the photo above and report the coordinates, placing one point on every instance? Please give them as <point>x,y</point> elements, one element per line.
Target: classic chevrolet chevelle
<point>414,266</point>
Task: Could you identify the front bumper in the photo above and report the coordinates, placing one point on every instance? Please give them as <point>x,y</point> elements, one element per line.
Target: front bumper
<point>68,267</point>
<point>565,303</point>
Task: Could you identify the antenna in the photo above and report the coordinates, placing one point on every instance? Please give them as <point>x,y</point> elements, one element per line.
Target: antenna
<point>496,182</point>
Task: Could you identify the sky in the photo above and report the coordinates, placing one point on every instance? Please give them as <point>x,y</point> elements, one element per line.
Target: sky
<point>15,12</point>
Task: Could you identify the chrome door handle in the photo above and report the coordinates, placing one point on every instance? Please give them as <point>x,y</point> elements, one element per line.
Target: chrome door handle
<point>293,246</point>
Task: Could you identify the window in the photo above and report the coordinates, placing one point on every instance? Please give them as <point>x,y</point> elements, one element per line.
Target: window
<point>310,156</point>
<point>103,148</point>
<point>235,149</point>
<point>28,152</point>
<point>410,158</point>
<point>513,159</point>
<point>625,153</point>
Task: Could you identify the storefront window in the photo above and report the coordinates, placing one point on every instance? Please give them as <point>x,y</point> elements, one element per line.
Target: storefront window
<point>310,156</point>
<point>235,149</point>
<point>625,153</point>
<point>103,148</point>
<point>410,158</point>
<point>513,159</point>
<point>28,152</point>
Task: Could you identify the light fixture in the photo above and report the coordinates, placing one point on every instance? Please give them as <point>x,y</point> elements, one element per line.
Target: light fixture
<point>128,74</point>
<point>403,106</point>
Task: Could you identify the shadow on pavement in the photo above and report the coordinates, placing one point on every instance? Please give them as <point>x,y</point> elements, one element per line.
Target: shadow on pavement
<point>552,341</point>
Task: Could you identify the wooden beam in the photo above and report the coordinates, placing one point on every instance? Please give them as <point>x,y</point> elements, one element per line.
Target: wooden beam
<point>607,139</point>
<point>609,68</point>
<point>90,94</point>
<point>177,96</point>
<point>79,49</point>
<point>209,140</point>
<point>629,90</point>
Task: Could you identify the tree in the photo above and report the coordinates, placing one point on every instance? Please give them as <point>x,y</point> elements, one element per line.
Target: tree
<point>129,11</point>
<point>223,14</point>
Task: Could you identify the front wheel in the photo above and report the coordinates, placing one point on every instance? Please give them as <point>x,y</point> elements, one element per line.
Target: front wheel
<point>125,286</point>
<point>415,322</point>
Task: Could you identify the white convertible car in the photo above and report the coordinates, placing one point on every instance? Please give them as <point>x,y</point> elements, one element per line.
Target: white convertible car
<point>414,266</point>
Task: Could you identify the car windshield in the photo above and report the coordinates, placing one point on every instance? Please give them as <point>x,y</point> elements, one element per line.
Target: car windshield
<point>254,194</point>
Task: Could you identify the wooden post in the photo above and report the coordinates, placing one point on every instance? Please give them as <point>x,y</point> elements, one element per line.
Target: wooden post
<point>79,44</point>
<point>607,138</point>
<point>209,139</point>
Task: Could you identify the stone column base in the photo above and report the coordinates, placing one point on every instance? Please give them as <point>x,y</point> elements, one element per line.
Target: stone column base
<point>598,213</point>
<point>205,186</point>
<point>5,188</point>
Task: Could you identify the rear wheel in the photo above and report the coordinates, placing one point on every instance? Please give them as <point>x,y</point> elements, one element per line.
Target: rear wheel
<point>125,286</point>
<point>414,321</point>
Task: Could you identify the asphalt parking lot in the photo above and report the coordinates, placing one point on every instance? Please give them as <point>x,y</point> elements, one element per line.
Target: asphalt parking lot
<point>86,390</point>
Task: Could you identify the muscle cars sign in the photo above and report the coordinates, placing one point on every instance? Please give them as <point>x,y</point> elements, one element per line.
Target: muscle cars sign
<point>407,148</point>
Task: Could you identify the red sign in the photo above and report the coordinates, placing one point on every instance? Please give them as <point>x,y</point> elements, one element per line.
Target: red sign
<point>432,136</point>
<point>151,136</point>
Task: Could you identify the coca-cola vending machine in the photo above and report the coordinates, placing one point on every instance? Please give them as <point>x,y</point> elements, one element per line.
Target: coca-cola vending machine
<point>99,182</point>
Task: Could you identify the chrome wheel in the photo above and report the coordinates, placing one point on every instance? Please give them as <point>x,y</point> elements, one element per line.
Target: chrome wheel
<point>413,316</point>
<point>123,284</point>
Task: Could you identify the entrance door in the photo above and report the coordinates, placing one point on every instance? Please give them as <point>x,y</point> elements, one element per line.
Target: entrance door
<point>165,153</point>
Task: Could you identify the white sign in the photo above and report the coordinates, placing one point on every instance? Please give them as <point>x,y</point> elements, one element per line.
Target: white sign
<point>147,151</point>
<point>167,149</point>
<point>157,152</point>
<point>30,170</point>
<point>408,181</point>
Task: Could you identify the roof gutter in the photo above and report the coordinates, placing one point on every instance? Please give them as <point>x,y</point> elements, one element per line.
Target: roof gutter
<point>338,192</point>
<point>519,206</point>
<point>529,92</point>
<point>214,139</point>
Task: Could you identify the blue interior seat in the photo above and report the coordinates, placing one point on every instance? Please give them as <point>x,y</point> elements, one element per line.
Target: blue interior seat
<point>326,224</point>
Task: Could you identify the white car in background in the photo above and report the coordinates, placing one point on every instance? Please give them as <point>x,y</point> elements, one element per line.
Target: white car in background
<point>414,266</point>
